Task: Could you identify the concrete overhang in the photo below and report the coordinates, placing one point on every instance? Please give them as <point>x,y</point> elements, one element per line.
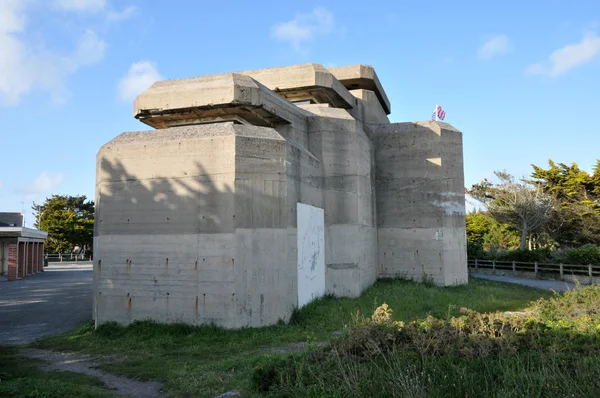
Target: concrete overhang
<point>226,97</point>
<point>22,232</point>
<point>362,77</point>
<point>305,82</point>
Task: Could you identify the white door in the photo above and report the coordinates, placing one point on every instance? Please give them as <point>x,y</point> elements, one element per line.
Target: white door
<point>311,253</point>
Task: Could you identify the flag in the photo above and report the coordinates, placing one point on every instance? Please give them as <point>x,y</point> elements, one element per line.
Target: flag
<point>438,113</point>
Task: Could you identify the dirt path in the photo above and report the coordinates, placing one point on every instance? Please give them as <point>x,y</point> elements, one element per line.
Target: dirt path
<point>83,364</point>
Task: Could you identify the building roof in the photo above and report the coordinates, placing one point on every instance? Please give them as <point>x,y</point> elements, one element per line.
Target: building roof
<point>22,232</point>
<point>11,219</point>
<point>259,97</point>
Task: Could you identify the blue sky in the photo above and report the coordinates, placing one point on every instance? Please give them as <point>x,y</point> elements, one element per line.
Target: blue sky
<point>520,79</point>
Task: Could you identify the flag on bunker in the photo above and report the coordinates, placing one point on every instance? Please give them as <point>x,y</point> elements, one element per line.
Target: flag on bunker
<point>438,113</point>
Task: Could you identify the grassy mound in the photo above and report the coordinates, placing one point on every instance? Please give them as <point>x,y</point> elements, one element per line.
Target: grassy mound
<point>550,350</point>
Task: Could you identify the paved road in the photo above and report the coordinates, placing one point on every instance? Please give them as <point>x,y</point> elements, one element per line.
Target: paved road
<point>51,302</point>
<point>559,286</point>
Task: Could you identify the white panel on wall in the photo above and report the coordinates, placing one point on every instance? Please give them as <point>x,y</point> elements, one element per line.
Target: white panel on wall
<point>311,253</point>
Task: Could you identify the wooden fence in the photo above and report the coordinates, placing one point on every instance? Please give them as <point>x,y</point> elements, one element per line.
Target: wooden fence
<point>536,268</point>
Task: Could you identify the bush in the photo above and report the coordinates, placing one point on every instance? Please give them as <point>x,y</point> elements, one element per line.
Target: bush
<point>528,256</point>
<point>551,350</point>
<point>587,254</point>
<point>584,255</point>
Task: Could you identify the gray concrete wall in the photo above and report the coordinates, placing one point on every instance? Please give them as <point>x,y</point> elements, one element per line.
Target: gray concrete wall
<point>165,238</point>
<point>340,143</point>
<point>192,226</point>
<point>420,202</point>
<point>265,278</point>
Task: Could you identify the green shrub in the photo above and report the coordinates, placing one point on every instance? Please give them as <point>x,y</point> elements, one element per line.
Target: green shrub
<point>587,254</point>
<point>551,350</point>
<point>530,256</point>
<point>475,251</point>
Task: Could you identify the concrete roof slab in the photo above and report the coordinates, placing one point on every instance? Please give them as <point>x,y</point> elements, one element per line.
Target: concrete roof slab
<point>305,80</point>
<point>362,76</point>
<point>212,98</point>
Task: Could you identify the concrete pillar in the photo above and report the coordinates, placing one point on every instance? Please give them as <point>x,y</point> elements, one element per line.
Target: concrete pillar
<point>21,260</point>
<point>13,253</point>
<point>421,202</point>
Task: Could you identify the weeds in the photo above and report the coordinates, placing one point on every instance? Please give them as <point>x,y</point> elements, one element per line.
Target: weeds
<point>551,350</point>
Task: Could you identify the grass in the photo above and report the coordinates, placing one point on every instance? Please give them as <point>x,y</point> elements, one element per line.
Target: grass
<point>22,377</point>
<point>552,350</point>
<point>206,361</point>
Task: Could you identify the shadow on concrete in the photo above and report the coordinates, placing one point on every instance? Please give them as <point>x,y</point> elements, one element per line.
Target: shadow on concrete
<point>194,204</point>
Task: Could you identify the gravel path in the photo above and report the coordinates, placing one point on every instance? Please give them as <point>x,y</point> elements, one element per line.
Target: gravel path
<point>558,286</point>
<point>83,364</point>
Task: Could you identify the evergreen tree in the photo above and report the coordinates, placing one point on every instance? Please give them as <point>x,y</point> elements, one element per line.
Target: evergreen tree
<point>519,204</point>
<point>575,220</point>
<point>69,221</point>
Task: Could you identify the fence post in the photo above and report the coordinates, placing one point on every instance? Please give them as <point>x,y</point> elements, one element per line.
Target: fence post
<point>476,265</point>
<point>514,268</point>
<point>60,257</point>
<point>590,273</point>
<point>535,267</point>
<point>494,265</point>
<point>561,270</point>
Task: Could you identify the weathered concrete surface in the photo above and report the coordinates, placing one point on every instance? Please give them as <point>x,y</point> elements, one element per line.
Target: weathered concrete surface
<point>305,81</point>
<point>213,98</point>
<point>199,223</point>
<point>420,202</point>
<point>362,77</point>
<point>50,302</point>
<point>191,223</point>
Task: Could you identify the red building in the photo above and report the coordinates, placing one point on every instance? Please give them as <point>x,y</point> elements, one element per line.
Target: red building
<point>21,248</point>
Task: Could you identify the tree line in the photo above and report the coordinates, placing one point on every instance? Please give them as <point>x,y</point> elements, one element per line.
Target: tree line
<point>555,208</point>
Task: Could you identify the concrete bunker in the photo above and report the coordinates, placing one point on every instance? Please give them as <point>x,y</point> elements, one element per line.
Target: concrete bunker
<point>261,190</point>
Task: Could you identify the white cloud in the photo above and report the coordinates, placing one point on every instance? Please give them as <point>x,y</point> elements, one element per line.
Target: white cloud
<point>44,183</point>
<point>497,45</point>
<point>568,57</point>
<point>25,66</point>
<point>120,16</point>
<point>95,6</point>
<point>141,75</point>
<point>304,28</point>
<point>90,50</point>
<point>81,5</point>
